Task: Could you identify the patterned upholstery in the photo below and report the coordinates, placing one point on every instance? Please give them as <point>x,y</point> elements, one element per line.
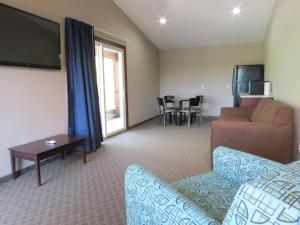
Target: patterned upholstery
<point>240,167</point>
<point>271,199</point>
<point>210,192</point>
<point>150,201</point>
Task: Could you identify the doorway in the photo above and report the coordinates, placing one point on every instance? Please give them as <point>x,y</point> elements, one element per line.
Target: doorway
<point>111,79</point>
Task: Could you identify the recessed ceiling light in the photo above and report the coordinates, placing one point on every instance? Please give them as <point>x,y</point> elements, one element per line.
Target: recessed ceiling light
<point>163,20</point>
<point>236,11</point>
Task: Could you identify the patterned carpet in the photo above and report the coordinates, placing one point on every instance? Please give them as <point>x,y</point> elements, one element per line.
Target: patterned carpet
<point>74,193</point>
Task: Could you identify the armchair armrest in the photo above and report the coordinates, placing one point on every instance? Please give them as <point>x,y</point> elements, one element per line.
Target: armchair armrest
<point>151,201</point>
<point>240,167</point>
<point>275,142</point>
<point>236,112</point>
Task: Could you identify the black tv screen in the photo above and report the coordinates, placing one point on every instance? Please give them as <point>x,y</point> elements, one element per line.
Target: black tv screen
<point>28,40</point>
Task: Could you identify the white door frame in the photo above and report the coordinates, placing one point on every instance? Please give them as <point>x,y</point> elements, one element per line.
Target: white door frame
<point>100,45</point>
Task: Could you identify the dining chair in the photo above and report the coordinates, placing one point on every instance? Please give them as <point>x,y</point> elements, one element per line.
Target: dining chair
<point>164,112</point>
<point>169,101</point>
<point>199,103</point>
<point>190,111</point>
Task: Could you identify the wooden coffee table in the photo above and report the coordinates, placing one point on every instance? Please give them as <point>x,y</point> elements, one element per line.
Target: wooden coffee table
<point>38,150</point>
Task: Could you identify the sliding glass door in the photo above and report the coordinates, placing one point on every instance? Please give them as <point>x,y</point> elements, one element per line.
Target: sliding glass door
<point>111,83</point>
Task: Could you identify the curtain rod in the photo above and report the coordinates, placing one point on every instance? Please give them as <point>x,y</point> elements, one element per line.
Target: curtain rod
<point>111,34</point>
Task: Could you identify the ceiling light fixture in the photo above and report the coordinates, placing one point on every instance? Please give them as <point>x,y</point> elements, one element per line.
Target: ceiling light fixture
<point>163,20</point>
<point>236,11</point>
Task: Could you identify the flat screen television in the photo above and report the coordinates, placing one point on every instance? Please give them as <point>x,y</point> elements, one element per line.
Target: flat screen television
<point>28,40</point>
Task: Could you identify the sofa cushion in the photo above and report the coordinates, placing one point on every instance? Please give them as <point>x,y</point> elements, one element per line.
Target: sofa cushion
<point>210,192</point>
<point>270,199</point>
<point>272,112</point>
<point>238,119</point>
<point>236,112</point>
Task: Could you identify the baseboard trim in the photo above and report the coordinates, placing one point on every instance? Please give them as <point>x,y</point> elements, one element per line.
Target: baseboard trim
<point>211,117</point>
<point>140,123</point>
<point>147,120</point>
<point>26,169</point>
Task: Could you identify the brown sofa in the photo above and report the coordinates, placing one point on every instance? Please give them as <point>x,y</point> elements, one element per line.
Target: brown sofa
<point>267,130</point>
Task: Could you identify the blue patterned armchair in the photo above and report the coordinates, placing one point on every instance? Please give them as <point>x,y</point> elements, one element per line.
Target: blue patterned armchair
<point>242,189</point>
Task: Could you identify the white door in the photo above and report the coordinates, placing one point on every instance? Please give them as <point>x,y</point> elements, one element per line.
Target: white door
<point>111,85</point>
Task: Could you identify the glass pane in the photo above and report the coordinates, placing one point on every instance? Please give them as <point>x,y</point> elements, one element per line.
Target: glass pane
<point>113,81</point>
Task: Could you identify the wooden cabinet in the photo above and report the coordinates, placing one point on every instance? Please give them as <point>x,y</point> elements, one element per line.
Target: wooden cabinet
<point>251,101</point>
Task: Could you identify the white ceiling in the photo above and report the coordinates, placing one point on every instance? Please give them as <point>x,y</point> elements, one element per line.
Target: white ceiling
<point>199,22</point>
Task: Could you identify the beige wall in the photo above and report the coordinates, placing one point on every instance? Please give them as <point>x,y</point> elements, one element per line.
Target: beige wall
<point>33,102</point>
<point>205,70</point>
<point>282,55</point>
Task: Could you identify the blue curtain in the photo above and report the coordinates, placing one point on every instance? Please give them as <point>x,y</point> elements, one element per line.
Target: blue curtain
<point>83,100</point>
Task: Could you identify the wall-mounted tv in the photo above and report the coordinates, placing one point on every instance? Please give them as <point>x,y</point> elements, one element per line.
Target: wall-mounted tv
<point>28,40</point>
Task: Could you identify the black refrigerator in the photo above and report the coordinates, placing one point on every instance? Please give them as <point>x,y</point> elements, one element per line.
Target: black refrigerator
<point>247,79</point>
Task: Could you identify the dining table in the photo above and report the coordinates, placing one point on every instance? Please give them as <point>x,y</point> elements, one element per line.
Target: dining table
<point>179,105</point>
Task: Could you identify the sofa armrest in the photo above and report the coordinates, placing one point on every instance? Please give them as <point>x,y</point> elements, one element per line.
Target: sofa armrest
<point>151,201</point>
<point>271,199</point>
<point>266,140</point>
<point>240,167</point>
<point>236,112</point>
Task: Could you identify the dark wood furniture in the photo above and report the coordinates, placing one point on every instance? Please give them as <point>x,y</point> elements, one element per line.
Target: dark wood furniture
<point>251,101</point>
<point>38,150</point>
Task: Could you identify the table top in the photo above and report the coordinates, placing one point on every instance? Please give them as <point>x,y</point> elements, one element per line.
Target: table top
<point>40,146</point>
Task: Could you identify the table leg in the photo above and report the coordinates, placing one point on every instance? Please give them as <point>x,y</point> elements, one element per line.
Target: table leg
<point>38,171</point>
<point>181,119</point>
<point>13,165</point>
<point>84,154</point>
<point>63,155</point>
